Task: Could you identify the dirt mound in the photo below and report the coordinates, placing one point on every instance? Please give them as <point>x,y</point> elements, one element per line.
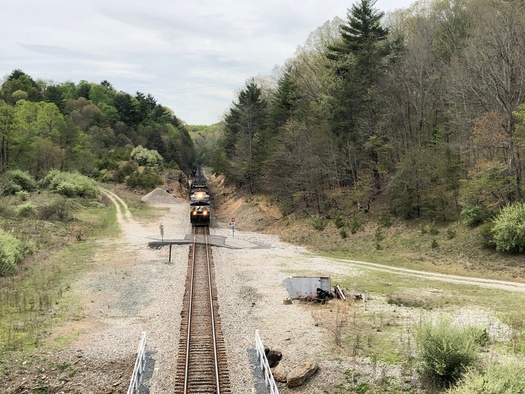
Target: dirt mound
<point>159,196</point>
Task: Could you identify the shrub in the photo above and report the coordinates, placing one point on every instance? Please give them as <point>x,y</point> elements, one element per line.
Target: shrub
<point>145,181</point>
<point>10,253</point>
<point>473,215</point>
<point>451,233</point>
<point>23,195</point>
<point>70,184</point>
<point>339,222</point>
<point>342,233</point>
<point>55,210</point>
<point>319,223</point>
<point>25,210</point>
<point>355,226</point>
<point>22,179</point>
<point>485,230</point>
<point>508,233</point>
<point>446,351</point>
<point>146,157</point>
<point>506,378</point>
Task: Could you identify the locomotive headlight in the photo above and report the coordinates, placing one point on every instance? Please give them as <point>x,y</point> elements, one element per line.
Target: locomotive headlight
<point>194,213</point>
<point>204,213</point>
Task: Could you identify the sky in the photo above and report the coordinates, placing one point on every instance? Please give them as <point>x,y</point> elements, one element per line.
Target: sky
<point>190,55</point>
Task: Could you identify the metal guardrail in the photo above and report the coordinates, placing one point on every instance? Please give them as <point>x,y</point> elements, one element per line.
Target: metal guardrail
<point>140,364</point>
<point>265,367</point>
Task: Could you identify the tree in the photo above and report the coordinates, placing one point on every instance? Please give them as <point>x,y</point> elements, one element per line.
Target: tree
<point>145,157</point>
<point>489,74</point>
<point>7,127</point>
<point>243,136</point>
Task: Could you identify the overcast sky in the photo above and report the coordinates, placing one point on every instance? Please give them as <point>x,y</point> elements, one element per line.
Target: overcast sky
<point>191,55</point>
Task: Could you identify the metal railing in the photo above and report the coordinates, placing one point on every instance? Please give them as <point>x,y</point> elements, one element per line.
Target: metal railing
<point>140,364</point>
<point>265,367</point>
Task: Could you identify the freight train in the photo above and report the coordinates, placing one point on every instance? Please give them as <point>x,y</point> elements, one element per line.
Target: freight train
<point>200,205</point>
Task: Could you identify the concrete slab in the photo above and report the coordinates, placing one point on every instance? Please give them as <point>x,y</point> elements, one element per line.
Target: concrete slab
<point>214,240</point>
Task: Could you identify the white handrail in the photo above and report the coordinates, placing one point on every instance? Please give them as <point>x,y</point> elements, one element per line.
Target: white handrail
<point>265,367</point>
<point>140,364</point>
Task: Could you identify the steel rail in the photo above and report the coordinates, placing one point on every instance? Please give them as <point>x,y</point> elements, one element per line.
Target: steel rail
<point>193,323</point>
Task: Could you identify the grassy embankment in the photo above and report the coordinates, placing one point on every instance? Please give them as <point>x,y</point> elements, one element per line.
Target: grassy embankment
<point>37,297</point>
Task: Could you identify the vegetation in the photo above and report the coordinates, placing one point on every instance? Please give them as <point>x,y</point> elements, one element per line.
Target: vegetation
<point>86,127</point>
<point>446,351</point>
<point>505,378</point>
<point>400,113</point>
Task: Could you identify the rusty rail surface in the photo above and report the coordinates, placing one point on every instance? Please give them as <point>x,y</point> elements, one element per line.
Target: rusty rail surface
<point>201,363</point>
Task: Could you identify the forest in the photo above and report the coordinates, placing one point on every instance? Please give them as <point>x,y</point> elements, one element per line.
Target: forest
<point>87,127</point>
<point>418,113</point>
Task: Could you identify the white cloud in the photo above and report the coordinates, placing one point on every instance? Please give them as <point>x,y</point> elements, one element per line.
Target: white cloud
<point>192,55</point>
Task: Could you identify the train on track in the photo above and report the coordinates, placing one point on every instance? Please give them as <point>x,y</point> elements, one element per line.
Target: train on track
<point>200,204</point>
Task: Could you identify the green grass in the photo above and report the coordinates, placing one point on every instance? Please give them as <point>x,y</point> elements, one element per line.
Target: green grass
<point>38,297</point>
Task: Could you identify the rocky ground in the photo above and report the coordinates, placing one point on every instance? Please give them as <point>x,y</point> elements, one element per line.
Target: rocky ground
<point>130,289</point>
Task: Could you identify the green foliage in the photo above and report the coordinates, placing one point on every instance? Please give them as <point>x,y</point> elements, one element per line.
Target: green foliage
<point>23,195</point>
<point>339,222</point>
<point>342,233</point>
<point>505,378</point>
<point>474,215</point>
<point>145,181</point>
<point>124,171</point>
<point>508,233</point>
<point>356,225</point>
<point>27,209</point>
<point>70,184</point>
<point>357,383</point>
<point>146,157</point>
<point>319,223</point>
<point>22,179</point>
<point>451,233</point>
<point>489,187</point>
<point>446,351</point>
<point>11,252</point>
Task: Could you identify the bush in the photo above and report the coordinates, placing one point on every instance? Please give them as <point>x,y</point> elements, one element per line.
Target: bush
<point>23,195</point>
<point>70,184</point>
<point>10,253</point>
<point>507,378</point>
<point>55,210</point>
<point>318,223</point>
<point>146,157</point>
<point>473,215</point>
<point>145,181</point>
<point>22,179</point>
<point>356,225</point>
<point>339,222</point>
<point>26,210</point>
<point>446,351</point>
<point>508,233</point>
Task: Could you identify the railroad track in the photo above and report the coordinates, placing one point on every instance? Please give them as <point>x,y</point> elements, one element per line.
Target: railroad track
<point>201,363</point>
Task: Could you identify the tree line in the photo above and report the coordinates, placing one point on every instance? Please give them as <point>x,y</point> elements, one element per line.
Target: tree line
<point>421,110</point>
<point>87,127</point>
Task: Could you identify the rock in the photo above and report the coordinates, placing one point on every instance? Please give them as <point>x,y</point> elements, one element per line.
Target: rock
<point>279,373</point>
<point>273,357</point>
<point>287,301</point>
<point>300,374</point>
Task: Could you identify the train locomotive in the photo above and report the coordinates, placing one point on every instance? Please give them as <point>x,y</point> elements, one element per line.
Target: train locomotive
<point>200,205</point>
